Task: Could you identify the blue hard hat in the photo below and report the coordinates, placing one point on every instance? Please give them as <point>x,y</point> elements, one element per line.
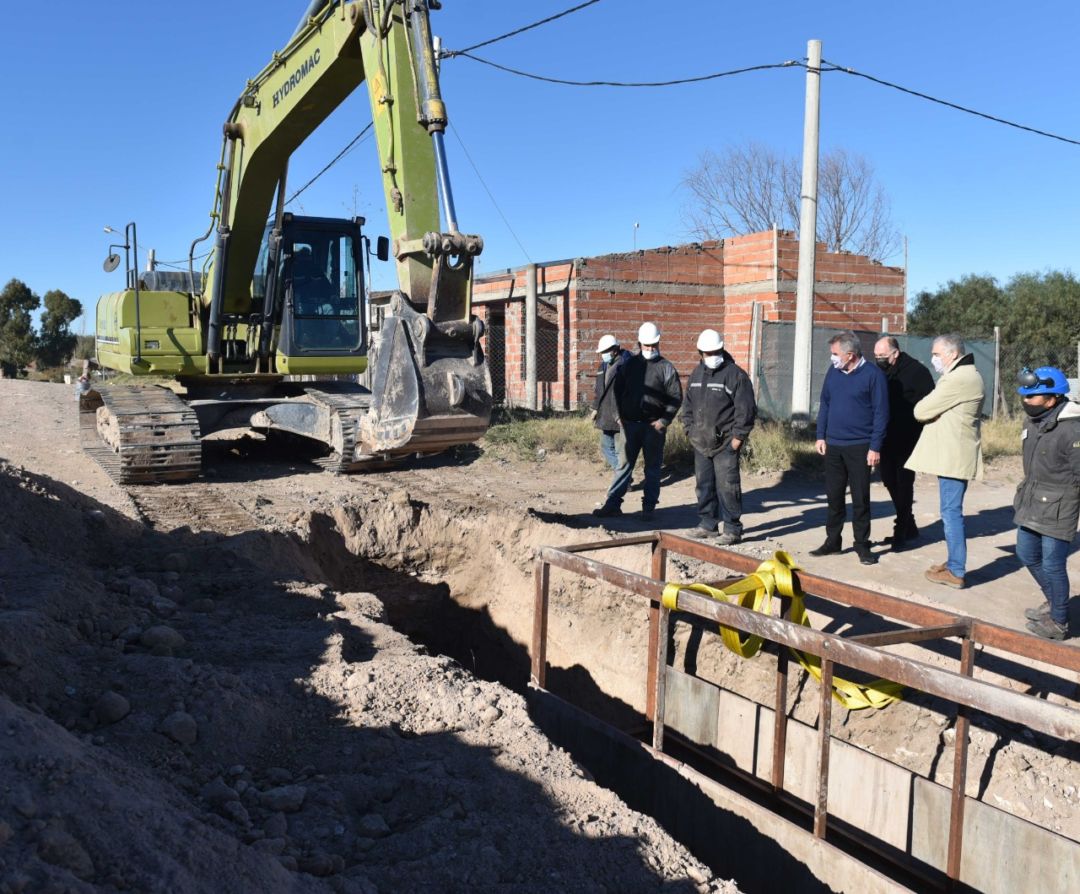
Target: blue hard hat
<point>1044,380</point>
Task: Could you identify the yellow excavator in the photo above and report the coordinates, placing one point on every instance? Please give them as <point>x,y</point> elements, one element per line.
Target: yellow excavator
<point>275,332</point>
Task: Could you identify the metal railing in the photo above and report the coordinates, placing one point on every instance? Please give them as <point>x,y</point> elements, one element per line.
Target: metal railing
<point>863,653</point>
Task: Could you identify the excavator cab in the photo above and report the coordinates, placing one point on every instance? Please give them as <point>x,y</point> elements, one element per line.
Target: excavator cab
<point>319,280</point>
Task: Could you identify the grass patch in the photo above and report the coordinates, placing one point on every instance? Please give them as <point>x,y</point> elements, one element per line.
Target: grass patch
<point>1001,436</point>
<point>773,446</point>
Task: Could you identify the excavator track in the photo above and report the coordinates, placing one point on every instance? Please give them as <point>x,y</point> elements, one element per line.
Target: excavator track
<point>140,435</point>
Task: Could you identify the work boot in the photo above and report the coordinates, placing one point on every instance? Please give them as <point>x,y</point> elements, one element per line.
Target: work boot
<point>1038,612</point>
<point>1048,628</point>
<point>946,577</point>
<point>826,549</point>
<point>728,539</point>
<point>934,569</point>
<point>704,530</point>
<point>865,556</point>
<point>607,511</point>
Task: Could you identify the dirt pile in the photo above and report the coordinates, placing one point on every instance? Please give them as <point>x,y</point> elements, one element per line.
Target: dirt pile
<point>192,712</point>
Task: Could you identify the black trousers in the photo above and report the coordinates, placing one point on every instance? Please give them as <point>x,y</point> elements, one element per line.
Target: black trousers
<point>900,483</point>
<point>719,490</point>
<point>844,467</point>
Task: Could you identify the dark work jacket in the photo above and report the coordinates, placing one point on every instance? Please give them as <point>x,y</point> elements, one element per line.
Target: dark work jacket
<point>719,406</point>
<point>909,382</point>
<point>1048,499</point>
<point>607,411</point>
<point>647,390</point>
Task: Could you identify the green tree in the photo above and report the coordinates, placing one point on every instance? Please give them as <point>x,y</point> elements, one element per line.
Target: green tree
<point>17,340</point>
<point>56,343</point>
<point>972,305</point>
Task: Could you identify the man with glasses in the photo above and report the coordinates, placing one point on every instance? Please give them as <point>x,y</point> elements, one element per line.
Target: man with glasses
<point>853,416</point>
<point>909,382</point>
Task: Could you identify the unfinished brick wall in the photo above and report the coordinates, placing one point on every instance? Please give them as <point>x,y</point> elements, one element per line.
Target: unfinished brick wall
<point>682,289</point>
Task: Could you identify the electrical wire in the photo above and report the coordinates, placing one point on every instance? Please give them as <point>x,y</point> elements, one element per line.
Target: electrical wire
<point>943,102</point>
<point>693,80</point>
<point>449,54</point>
<point>353,142</point>
<point>461,143</point>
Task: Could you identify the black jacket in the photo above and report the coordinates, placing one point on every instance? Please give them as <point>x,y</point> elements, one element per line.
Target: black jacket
<point>647,390</point>
<point>909,382</point>
<point>719,406</point>
<point>1048,499</point>
<point>607,411</point>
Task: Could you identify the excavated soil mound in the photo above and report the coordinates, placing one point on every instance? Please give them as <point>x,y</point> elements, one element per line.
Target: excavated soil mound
<point>194,712</point>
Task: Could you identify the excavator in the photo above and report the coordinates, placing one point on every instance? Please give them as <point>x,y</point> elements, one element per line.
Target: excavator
<point>274,332</point>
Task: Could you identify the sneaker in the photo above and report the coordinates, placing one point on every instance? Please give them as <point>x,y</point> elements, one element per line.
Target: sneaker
<point>946,577</point>
<point>826,549</point>
<point>1038,612</point>
<point>865,556</point>
<point>1048,628</point>
<point>728,539</point>
<point>607,511</point>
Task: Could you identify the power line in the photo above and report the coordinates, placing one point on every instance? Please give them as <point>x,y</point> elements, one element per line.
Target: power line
<point>447,54</point>
<point>488,191</point>
<point>332,162</point>
<point>693,80</point>
<point>943,102</point>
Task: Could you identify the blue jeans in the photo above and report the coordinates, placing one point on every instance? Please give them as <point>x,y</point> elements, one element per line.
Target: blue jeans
<point>951,495</point>
<point>607,447</point>
<point>635,438</point>
<point>1045,558</point>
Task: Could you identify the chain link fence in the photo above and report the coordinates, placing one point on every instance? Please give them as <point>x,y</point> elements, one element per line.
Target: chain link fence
<point>1015,357</point>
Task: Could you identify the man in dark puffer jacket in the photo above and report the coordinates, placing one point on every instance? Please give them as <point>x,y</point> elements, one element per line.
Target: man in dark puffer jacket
<point>718,413</point>
<point>1047,503</point>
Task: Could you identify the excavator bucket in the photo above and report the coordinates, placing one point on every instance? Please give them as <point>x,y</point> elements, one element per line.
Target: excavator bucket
<point>430,384</point>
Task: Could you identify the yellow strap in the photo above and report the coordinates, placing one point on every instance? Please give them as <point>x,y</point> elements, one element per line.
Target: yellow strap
<point>776,576</point>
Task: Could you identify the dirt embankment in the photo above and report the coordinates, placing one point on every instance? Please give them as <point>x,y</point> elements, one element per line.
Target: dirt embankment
<point>195,712</point>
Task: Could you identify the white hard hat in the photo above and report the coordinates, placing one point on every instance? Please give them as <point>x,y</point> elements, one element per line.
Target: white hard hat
<point>648,334</point>
<point>607,342</point>
<point>710,340</point>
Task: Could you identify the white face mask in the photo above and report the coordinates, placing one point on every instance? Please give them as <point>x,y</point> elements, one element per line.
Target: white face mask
<point>607,356</point>
<point>650,352</point>
<point>937,363</point>
<point>713,361</point>
<point>837,363</point>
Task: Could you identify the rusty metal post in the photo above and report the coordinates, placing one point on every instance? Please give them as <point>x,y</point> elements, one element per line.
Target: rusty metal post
<point>824,738</point>
<point>779,741</point>
<point>659,659</point>
<point>542,580</point>
<point>959,785</point>
<point>658,570</point>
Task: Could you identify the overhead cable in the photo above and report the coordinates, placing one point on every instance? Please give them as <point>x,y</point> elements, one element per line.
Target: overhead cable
<point>943,102</point>
<point>448,54</point>
<point>693,80</point>
<point>332,162</point>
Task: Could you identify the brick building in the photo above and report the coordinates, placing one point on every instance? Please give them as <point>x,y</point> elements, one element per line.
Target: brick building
<point>683,289</point>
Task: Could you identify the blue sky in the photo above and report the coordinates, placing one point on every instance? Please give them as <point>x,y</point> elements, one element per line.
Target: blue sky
<point>114,113</point>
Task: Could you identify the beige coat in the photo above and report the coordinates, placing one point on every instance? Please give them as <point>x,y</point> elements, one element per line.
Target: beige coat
<point>950,441</point>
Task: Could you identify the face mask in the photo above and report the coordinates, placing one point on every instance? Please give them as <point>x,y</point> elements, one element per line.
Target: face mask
<point>835,361</point>
<point>649,353</point>
<point>714,361</point>
<point>882,362</point>
<point>1035,410</point>
<point>939,367</point>
<point>607,356</point>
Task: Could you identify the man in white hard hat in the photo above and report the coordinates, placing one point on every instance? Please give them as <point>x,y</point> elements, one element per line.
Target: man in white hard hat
<point>718,413</point>
<point>648,393</point>
<point>605,409</point>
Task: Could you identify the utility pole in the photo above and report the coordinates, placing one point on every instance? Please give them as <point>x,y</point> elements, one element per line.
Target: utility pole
<point>530,337</point>
<point>804,291</point>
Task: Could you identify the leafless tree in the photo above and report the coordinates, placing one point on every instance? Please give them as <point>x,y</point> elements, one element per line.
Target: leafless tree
<point>750,188</point>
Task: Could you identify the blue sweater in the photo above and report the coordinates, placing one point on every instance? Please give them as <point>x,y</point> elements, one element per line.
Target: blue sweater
<point>854,407</point>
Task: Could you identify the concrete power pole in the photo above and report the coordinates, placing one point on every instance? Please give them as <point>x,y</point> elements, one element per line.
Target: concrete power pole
<point>804,292</point>
<point>530,337</point>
